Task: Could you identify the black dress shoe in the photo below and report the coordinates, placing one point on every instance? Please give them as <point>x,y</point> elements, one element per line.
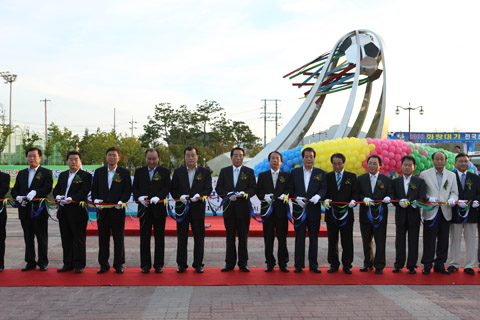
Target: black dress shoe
<point>298,269</point>
<point>316,270</point>
<point>226,269</point>
<point>347,270</point>
<point>284,269</point>
<point>469,271</point>
<point>441,270</point>
<point>44,268</point>
<point>332,270</point>
<point>78,270</point>
<point>426,271</point>
<point>378,271</point>
<point>396,270</point>
<point>199,269</point>
<point>158,269</point>
<point>412,270</point>
<point>119,270</point>
<point>452,269</point>
<point>28,268</point>
<point>244,269</point>
<point>181,269</point>
<point>65,269</point>
<point>269,269</point>
<point>366,268</point>
<point>145,270</point>
<point>1,269</point>
<point>103,270</point>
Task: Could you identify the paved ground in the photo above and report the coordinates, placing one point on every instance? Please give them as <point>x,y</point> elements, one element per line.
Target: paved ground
<point>237,302</point>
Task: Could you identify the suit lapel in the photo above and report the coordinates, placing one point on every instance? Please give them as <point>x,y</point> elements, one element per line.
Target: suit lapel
<point>302,178</point>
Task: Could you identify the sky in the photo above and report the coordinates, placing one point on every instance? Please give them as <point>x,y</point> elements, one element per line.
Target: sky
<point>91,57</point>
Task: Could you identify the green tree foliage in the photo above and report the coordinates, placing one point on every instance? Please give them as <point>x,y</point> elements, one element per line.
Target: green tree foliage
<point>64,141</point>
<point>94,145</point>
<point>29,139</point>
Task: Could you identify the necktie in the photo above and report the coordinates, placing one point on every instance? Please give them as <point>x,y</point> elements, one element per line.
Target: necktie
<point>150,173</point>
<point>372,182</point>
<point>339,179</point>
<point>462,180</point>
<point>274,178</point>
<point>235,177</point>
<point>439,180</point>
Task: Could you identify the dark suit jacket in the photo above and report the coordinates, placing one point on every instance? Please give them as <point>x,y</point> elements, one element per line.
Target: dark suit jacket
<point>246,183</point>
<point>202,184</point>
<point>41,183</point>
<point>158,187</point>
<point>365,190</point>
<point>79,189</point>
<point>265,186</point>
<point>119,191</point>
<point>317,185</point>
<point>417,191</point>
<point>470,193</point>
<point>348,192</point>
<point>4,184</point>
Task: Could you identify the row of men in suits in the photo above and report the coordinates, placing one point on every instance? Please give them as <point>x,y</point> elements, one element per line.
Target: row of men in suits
<point>307,185</point>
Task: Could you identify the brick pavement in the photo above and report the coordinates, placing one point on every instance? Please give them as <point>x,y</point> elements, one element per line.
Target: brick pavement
<point>223,302</point>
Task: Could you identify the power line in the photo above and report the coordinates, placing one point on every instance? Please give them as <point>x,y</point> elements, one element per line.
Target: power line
<point>269,116</point>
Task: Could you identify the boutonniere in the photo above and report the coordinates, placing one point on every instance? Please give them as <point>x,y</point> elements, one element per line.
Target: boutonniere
<point>199,177</point>
<point>243,176</point>
<point>380,184</point>
<point>116,177</point>
<point>38,176</point>
<point>318,177</point>
<point>156,176</point>
<point>77,179</point>
<point>412,186</point>
<point>445,185</point>
<point>468,183</point>
<point>281,179</point>
<point>348,182</point>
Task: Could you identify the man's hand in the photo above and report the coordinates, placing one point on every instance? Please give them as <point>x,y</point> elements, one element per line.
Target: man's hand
<point>268,198</point>
<point>98,201</point>
<point>31,195</point>
<point>352,204</point>
<point>462,203</point>
<point>154,200</point>
<point>386,200</point>
<point>143,201</point>
<point>184,198</point>
<point>195,197</point>
<point>327,203</point>
<point>367,201</point>
<point>315,199</point>
<point>119,205</point>
<point>451,202</point>
<point>301,201</point>
<point>402,203</point>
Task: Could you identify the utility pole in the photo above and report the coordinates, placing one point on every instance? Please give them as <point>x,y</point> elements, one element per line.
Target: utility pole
<point>269,116</point>
<point>132,127</point>
<point>46,128</point>
<point>114,124</point>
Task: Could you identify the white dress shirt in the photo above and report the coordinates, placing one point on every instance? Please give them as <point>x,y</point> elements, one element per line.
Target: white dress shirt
<point>31,175</point>
<point>307,174</point>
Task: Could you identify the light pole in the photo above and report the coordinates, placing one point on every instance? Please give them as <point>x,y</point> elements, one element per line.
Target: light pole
<point>397,112</point>
<point>9,78</point>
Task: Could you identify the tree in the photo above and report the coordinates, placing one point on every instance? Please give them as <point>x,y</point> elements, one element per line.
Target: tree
<point>64,141</point>
<point>132,153</point>
<point>29,139</point>
<point>93,146</point>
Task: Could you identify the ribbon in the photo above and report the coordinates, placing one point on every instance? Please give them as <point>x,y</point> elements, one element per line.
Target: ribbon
<point>302,217</point>
<point>261,218</point>
<point>178,217</point>
<point>465,216</point>
<point>344,211</point>
<point>379,217</point>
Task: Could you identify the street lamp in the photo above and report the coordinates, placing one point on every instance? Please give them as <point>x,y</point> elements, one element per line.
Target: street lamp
<point>397,112</point>
<point>9,78</point>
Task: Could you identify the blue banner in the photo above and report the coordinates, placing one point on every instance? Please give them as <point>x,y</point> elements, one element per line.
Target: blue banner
<point>437,137</point>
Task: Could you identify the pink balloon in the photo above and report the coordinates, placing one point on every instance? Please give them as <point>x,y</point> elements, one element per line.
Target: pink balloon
<point>374,152</point>
<point>424,153</point>
<point>386,162</point>
<point>364,163</point>
<point>391,155</point>
<point>409,150</point>
<point>385,153</point>
<point>398,156</point>
<point>416,147</point>
<point>393,163</point>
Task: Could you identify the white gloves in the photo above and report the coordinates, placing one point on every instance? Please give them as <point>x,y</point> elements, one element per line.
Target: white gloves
<point>268,198</point>
<point>59,197</point>
<point>282,196</point>
<point>315,199</point>
<point>327,203</point>
<point>66,201</point>
<point>475,204</point>
<point>184,198</point>
<point>119,205</point>
<point>451,202</point>
<point>233,197</point>
<point>154,200</point>
<point>352,204</point>
<point>143,201</point>
<point>386,200</point>
<point>31,195</point>
<point>462,203</point>
<point>432,199</point>
<point>19,198</point>
<point>240,194</point>
<point>402,203</point>
<point>300,201</point>
<point>195,197</point>
<point>98,201</point>
<point>367,201</point>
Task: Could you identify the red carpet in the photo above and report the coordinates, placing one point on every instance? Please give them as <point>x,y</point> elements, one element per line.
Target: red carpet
<point>213,277</point>
<point>214,228</point>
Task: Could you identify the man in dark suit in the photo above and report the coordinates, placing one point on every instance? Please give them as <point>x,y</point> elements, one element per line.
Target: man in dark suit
<point>73,185</point>
<point>4,187</point>
<point>238,182</point>
<point>341,187</point>
<point>111,185</point>
<point>33,182</point>
<point>190,184</point>
<point>373,187</point>
<point>151,186</point>
<point>406,190</point>
<point>308,185</point>
<point>464,218</point>
<point>273,185</point>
